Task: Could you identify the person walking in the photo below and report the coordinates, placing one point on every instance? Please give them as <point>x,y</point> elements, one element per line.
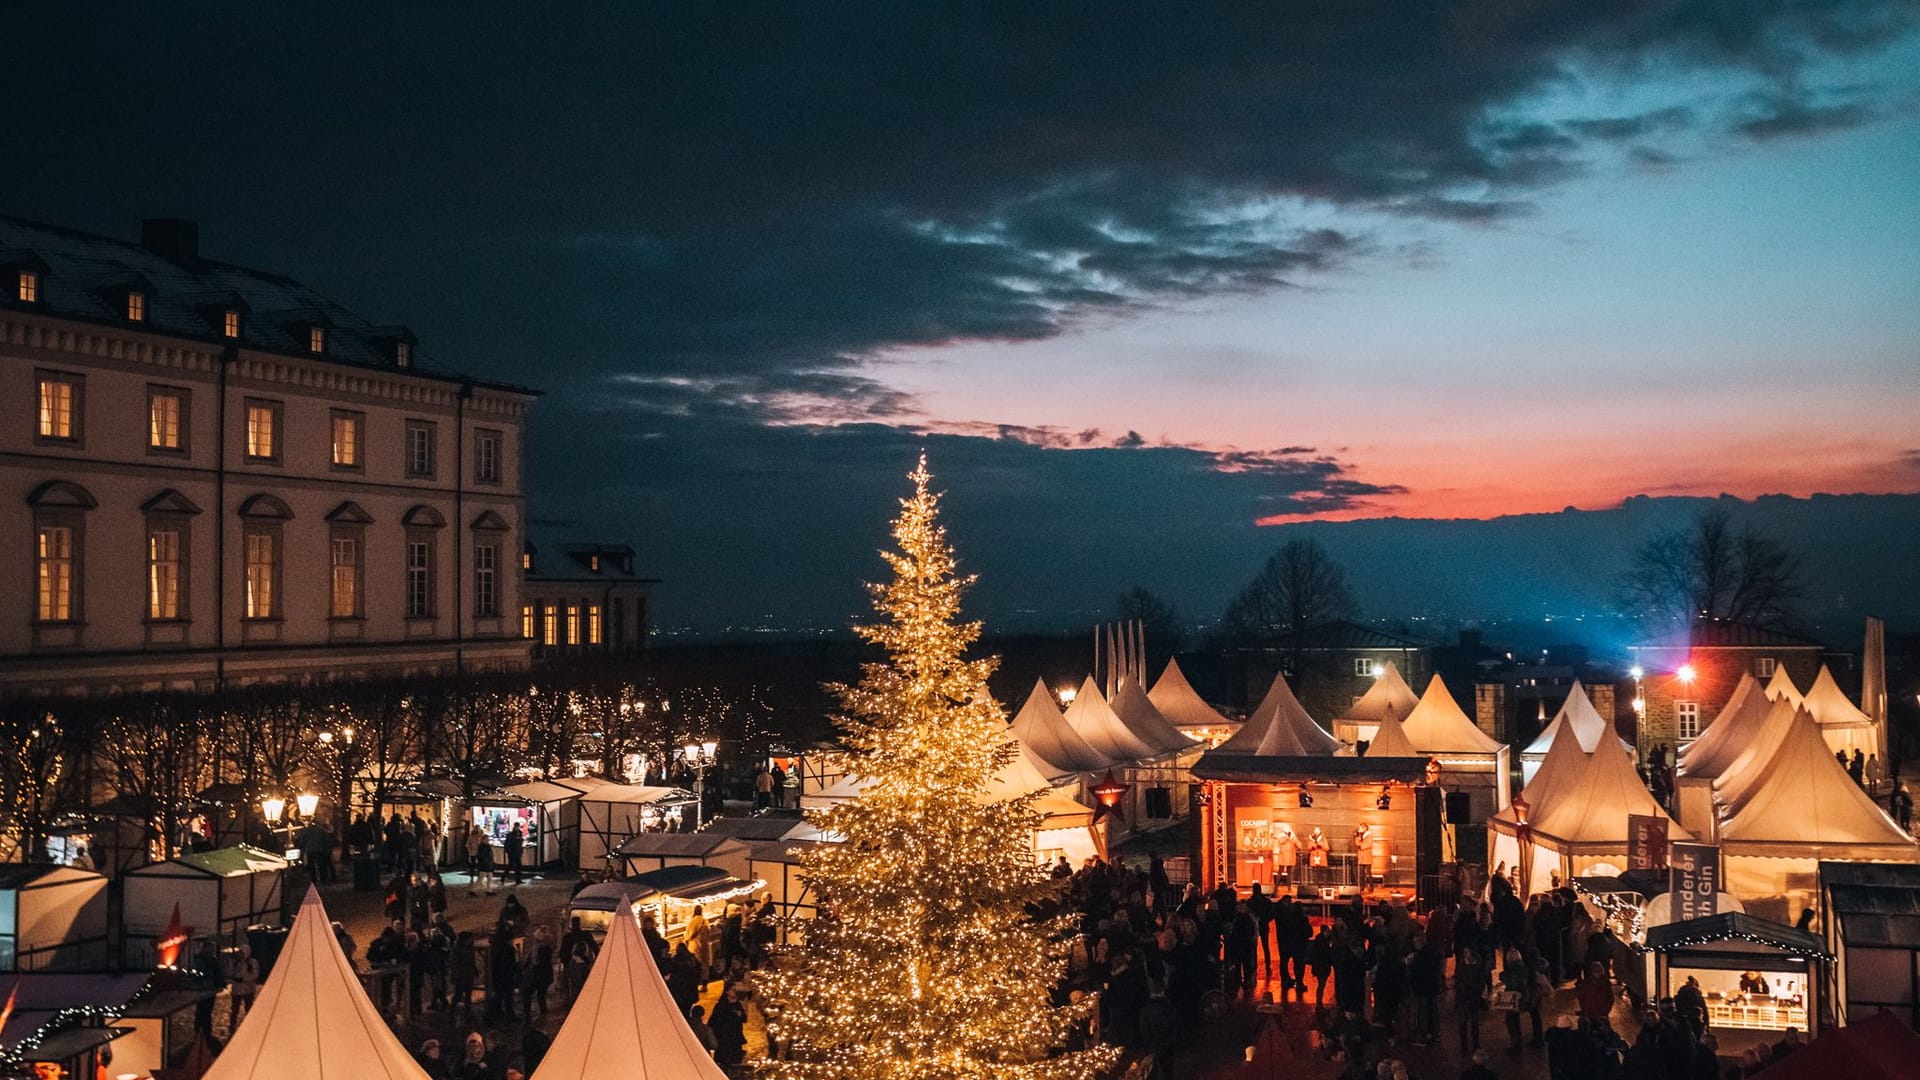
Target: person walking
<point>1426,980</point>
<point>503,973</point>
<point>730,1027</point>
<point>474,844</point>
<point>1320,959</point>
<point>243,984</point>
<point>537,976</point>
<point>463,972</point>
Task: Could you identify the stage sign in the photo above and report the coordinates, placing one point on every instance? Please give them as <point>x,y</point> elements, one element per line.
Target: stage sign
<point>1646,842</point>
<point>1693,877</point>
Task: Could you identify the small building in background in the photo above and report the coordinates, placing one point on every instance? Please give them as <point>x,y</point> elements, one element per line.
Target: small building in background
<point>581,599</point>
<point>1333,665</point>
<point>1686,678</point>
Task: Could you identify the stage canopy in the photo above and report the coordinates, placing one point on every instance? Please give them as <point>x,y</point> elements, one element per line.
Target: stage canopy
<point>625,1023</point>
<point>312,1021</point>
<point>1280,727</point>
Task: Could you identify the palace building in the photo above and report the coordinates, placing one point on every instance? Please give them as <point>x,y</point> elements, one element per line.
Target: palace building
<point>214,476</point>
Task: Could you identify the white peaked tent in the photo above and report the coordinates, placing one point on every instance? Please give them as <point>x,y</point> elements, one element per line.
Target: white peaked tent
<point>625,1023</point>
<point>1390,740</point>
<point>1280,726</point>
<point>1842,723</point>
<point>312,1021</point>
<point>1579,807</point>
<point>1183,707</point>
<point>1781,685</point>
<point>1731,731</point>
<point>1136,710</point>
<point>1102,728</point>
<point>1802,807</point>
<point>1473,761</point>
<point>1576,712</point>
<point>1042,728</point>
<point>1757,751</point>
<point>1388,696</point>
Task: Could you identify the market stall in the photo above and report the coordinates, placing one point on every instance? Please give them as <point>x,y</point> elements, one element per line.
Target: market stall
<point>1754,974</point>
<point>64,1021</point>
<point>1870,920</point>
<point>220,893</point>
<point>669,895</point>
<point>551,812</point>
<point>658,850</point>
<point>1578,713</point>
<point>52,918</point>
<point>1280,727</point>
<point>611,812</point>
<point>1471,761</point>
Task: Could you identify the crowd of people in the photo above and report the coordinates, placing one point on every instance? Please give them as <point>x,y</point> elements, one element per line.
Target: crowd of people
<point>1370,984</point>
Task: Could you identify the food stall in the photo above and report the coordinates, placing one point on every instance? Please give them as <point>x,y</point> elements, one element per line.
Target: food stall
<point>669,895</point>
<point>1754,974</point>
<point>552,813</point>
<point>220,893</point>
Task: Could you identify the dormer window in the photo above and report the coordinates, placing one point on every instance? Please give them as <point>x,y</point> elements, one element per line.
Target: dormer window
<point>230,323</point>
<point>316,339</point>
<point>136,306</point>
<point>526,560</point>
<point>594,564</point>
<point>29,286</point>
<point>402,354</point>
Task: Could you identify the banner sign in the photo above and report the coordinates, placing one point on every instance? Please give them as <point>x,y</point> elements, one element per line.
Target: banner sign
<point>1693,877</point>
<point>1646,842</point>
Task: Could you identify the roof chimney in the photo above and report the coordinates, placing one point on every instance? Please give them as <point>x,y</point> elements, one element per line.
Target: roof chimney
<point>171,238</point>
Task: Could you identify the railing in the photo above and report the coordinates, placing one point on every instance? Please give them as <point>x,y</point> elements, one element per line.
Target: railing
<point>87,954</point>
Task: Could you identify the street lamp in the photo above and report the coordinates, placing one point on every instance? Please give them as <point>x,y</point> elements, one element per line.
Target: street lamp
<point>699,756</point>
<point>308,803</point>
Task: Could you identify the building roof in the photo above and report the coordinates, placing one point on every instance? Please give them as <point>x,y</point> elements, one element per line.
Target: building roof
<point>1040,727</point>
<point>1875,903</point>
<point>771,824</point>
<point>1438,726</point>
<point>560,557</point>
<point>1279,726</point>
<point>1735,926</point>
<point>86,277</point>
<point>624,1022</point>
<point>1731,731</point>
<point>40,997</point>
<point>1177,700</point>
<point>672,845</point>
<point>541,791</point>
<point>224,862</point>
<point>312,1020</point>
<point>1720,634</point>
<point>1802,797</point>
<point>1388,696</point>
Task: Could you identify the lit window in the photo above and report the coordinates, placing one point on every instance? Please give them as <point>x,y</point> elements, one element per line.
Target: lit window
<point>419,579</point>
<point>1764,666</point>
<point>345,596</point>
<point>486,599</point>
<point>165,410</point>
<point>549,631</point>
<point>263,568</point>
<point>573,624</point>
<point>419,448</point>
<point>163,573</point>
<point>136,306</point>
<point>230,324</point>
<point>59,401</point>
<point>593,624</point>
<point>346,440</point>
<point>29,287</point>
<point>317,339</point>
<point>1687,718</point>
<point>262,430</point>
<point>54,563</point>
<point>486,457</point>
<point>526,560</point>
<point>402,354</point>
<point>1363,666</point>
<point>593,563</point>
<point>526,621</point>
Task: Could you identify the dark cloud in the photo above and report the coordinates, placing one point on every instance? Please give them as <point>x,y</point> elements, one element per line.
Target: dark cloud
<point>1777,116</point>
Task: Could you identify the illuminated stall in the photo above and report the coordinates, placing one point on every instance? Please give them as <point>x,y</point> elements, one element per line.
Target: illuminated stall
<point>52,918</point>
<point>1321,828</point>
<point>610,812</point>
<point>552,812</point>
<point>1754,974</point>
<point>1473,761</point>
<point>669,895</point>
<point>219,894</point>
<point>1280,727</point>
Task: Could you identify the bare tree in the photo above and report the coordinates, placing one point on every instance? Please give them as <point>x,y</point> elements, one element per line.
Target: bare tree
<point>151,754</point>
<point>1301,586</point>
<point>33,772</point>
<point>1714,571</point>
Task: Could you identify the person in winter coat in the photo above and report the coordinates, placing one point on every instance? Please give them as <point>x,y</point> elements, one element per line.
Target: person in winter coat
<point>730,1027</point>
<point>1426,980</point>
<point>463,971</point>
<point>1516,979</point>
<point>503,973</point>
<point>516,841</point>
<point>697,1023</point>
<point>537,976</point>
<point>1469,997</point>
<point>476,1063</point>
<point>1242,952</point>
<point>1294,934</point>
<point>1320,959</point>
<point>243,981</point>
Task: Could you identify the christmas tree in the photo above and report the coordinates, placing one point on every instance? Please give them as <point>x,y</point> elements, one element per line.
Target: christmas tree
<point>927,960</point>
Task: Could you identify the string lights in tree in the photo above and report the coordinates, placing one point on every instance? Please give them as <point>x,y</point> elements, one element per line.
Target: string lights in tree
<point>925,961</point>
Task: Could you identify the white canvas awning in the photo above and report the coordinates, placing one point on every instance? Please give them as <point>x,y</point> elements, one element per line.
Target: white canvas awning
<point>1042,728</point>
<point>1756,751</point>
<point>1102,728</point>
<point>1183,707</point>
<point>1803,803</point>
<point>1279,725</point>
<point>1438,726</point>
<point>1781,685</point>
<point>1730,733</point>
<point>1842,724</point>
<point>625,1023</point>
<point>312,1020</point>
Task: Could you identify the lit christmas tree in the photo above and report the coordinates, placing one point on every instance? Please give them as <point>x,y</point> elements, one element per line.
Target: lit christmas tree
<point>926,961</point>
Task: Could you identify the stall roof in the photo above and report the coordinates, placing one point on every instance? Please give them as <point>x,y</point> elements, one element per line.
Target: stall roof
<point>593,789</point>
<point>670,879</point>
<point>1879,1047</point>
<point>1735,927</point>
<point>1176,699</point>
<point>38,998</point>
<point>766,825</point>
<point>1720,744</point>
<point>543,791</point>
<point>673,845</point>
<point>226,862</point>
<point>1648,883</point>
<point>1578,713</point>
<point>1437,725</point>
<point>1266,769</point>
<point>1136,710</point>
<point>1875,903</point>
<point>15,876</point>
<point>67,1042</point>
<point>1804,797</point>
<point>1041,727</point>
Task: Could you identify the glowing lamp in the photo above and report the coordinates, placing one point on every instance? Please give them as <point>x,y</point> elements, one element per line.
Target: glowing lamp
<point>1637,671</point>
<point>1640,705</point>
<point>1067,694</point>
<point>274,808</point>
<point>707,749</point>
<point>326,738</point>
<point>1379,671</point>
<point>691,751</point>
<point>1686,673</point>
<point>308,803</point>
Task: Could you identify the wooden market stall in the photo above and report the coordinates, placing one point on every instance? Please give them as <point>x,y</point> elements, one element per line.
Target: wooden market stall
<point>1755,974</point>
<point>549,813</point>
<point>220,893</point>
<point>611,812</point>
<point>658,850</point>
<point>1870,919</point>
<point>52,918</point>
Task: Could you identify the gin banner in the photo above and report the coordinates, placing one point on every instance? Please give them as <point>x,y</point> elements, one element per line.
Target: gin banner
<point>1646,842</point>
<point>1693,877</point>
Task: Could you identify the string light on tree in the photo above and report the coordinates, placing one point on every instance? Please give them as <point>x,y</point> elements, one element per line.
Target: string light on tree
<point>924,962</point>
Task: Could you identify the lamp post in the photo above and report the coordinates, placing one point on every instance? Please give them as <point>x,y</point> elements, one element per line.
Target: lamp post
<point>699,756</point>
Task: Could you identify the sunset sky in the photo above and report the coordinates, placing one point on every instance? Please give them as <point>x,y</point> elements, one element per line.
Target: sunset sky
<point>1138,276</point>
